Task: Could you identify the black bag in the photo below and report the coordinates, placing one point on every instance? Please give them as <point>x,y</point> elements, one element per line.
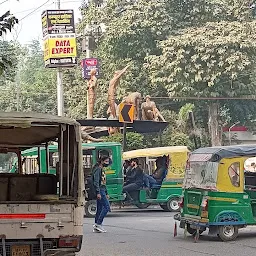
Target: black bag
<point>89,186</point>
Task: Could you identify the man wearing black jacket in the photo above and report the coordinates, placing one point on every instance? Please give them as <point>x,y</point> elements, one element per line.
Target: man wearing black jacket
<point>135,178</point>
<point>99,182</point>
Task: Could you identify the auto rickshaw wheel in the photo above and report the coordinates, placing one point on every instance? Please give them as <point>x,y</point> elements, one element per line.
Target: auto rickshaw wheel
<point>142,205</point>
<point>227,232</point>
<point>90,208</point>
<point>172,205</point>
<point>164,207</point>
<point>192,231</point>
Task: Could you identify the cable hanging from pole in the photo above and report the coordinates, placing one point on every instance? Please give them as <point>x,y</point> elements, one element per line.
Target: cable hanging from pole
<point>4,2</point>
<point>37,8</point>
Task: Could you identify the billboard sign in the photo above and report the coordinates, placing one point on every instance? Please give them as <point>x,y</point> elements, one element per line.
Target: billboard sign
<point>89,64</point>
<point>58,22</point>
<point>59,38</point>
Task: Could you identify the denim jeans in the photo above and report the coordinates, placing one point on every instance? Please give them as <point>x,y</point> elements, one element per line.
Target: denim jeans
<point>103,207</point>
<point>151,180</point>
<point>131,187</point>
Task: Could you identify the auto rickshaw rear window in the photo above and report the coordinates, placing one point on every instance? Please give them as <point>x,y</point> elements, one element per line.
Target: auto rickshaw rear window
<point>201,175</point>
<point>234,174</point>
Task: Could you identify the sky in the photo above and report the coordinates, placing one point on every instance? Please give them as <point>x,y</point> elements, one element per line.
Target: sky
<point>29,26</point>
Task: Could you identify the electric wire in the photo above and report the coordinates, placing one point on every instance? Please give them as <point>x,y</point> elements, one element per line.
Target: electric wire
<point>32,9</point>
<point>35,10</point>
<point>4,2</point>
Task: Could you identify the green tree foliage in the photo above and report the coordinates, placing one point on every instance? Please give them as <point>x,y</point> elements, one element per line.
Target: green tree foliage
<point>28,86</point>
<point>205,58</point>
<point>215,59</point>
<point>37,83</point>
<point>6,161</point>
<point>132,31</point>
<point>9,53</point>
<point>178,133</point>
<point>134,140</point>
<point>7,21</point>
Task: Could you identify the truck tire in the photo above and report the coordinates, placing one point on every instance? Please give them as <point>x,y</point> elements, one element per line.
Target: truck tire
<point>90,209</point>
<point>227,232</point>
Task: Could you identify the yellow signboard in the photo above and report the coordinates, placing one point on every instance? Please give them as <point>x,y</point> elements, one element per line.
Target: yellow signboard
<point>60,47</point>
<point>59,38</point>
<point>126,114</point>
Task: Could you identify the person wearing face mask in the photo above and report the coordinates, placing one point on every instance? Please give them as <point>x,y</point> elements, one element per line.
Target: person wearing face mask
<point>99,182</point>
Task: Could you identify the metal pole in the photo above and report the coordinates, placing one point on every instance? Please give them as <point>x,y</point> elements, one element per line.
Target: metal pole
<point>61,159</point>
<point>229,131</point>
<point>47,157</point>
<point>88,55</point>
<point>39,159</point>
<point>60,101</point>
<point>18,90</point>
<point>124,137</point>
<point>192,120</point>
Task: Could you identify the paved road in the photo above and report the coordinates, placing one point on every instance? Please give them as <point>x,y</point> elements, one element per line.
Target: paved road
<point>150,233</point>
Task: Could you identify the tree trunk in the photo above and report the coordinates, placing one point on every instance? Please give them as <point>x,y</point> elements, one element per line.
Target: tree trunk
<point>213,124</point>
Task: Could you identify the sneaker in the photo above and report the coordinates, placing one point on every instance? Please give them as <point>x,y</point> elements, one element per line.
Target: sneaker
<point>100,229</point>
<point>95,229</point>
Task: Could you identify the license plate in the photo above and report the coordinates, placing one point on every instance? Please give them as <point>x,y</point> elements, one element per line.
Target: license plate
<point>21,250</point>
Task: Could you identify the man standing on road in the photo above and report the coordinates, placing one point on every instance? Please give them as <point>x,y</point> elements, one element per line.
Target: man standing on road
<point>99,183</point>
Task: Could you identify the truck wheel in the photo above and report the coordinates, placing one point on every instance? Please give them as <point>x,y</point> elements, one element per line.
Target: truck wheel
<point>172,205</point>
<point>228,233</point>
<point>142,205</point>
<point>90,209</point>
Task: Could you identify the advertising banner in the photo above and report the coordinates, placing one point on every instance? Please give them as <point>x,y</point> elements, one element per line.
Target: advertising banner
<point>59,36</point>
<point>89,64</point>
<point>58,22</point>
<point>60,47</point>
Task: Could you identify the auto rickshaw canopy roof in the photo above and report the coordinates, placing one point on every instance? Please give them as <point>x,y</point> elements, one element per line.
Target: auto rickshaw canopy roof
<point>218,153</point>
<point>154,152</point>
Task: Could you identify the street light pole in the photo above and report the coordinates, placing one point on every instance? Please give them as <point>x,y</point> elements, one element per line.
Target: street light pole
<point>229,131</point>
<point>88,33</point>
<point>60,100</point>
<point>88,55</point>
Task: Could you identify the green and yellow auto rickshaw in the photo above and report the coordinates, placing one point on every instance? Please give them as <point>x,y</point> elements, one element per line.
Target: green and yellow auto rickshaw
<point>219,191</point>
<point>167,194</point>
